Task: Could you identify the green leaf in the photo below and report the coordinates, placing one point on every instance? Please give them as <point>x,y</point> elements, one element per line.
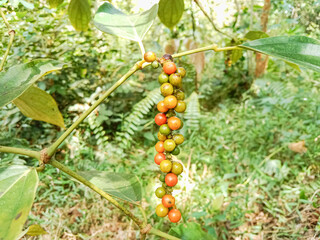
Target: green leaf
<point>79,14</point>
<point>294,66</point>
<point>190,231</point>
<point>170,12</point>
<point>124,186</point>
<point>19,78</point>
<point>253,35</point>
<point>18,185</point>
<point>300,50</point>
<point>15,4</point>
<point>39,105</point>
<point>35,230</point>
<point>54,3</point>
<point>134,27</point>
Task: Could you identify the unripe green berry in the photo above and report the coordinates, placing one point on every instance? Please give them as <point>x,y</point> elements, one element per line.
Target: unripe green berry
<point>163,78</point>
<point>155,64</point>
<point>160,192</point>
<point>164,129</point>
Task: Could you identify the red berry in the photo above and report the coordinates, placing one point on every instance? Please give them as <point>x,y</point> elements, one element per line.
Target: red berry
<point>168,201</point>
<point>174,215</point>
<point>169,67</point>
<point>159,157</point>
<point>160,119</point>
<point>171,179</point>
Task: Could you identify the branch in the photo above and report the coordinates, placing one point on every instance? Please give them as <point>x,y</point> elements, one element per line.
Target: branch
<point>52,149</point>
<point>139,65</point>
<point>21,151</point>
<point>108,197</point>
<point>11,34</point>
<point>210,20</point>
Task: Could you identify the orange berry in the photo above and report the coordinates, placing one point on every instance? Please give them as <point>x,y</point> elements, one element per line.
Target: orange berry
<point>174,123</point>
<point>160,147</point>
<point>169,67</point>
<point>174,215</point>
<point>149,56</point>
<point>168,201</point>
<point>171,179</point>
<point>159,157</point>
<point>170,101</point>
<point>162,107</point>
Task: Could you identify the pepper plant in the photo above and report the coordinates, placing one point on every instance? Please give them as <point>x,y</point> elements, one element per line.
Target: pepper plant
<point>18,183</point>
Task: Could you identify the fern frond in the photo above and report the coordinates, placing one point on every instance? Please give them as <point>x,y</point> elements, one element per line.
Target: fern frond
<point>193,114</point>
<point>134,120</point>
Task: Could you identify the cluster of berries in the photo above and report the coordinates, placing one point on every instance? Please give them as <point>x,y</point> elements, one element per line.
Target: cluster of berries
<point>171,88</point>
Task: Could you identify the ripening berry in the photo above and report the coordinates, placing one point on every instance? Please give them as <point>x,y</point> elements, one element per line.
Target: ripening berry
<point>161,107</point>
<point>178,138</point>
<point>177,168</point>
<point>181,71</point>
<point>174,123</point>
<point>165,129</point>
<point>181,106</point>
<point>166,89</point>
<point>169,67</point>
<point>160,147</point>
<point>174,215</point>
<point>162,137</point>
<point>179,94</point>
<point>150,56</point>
<point>170,101</point>
<point>159,157</point>
<point>175,79</point>
<point>169,145</point>
<point>160,192</point>
<point>161,210</point>
<point>165,166</point>
<point>160,119</point>
<point>171,179</point>
<point>163,78</point>
<point>168,201</point>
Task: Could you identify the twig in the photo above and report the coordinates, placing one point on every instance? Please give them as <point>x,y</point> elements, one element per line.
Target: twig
<point>21,151</point>
<point>210,20</point>
<point>11,38</point>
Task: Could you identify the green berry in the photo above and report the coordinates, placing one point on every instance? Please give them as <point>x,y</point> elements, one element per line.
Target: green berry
<point>181,71</point>
<point>162,177</point>
<point>178,138</point>
<point>181,106</point>
<point>179,94</point>
<point>155,64</point>
<point>169,145</point>
<point>160,192</point>
<point>175,151</point>
<point>164,129</point>
<point>175,79</point>
<point>177,168</point>
<point>163,78</point>
<point>165,166</point>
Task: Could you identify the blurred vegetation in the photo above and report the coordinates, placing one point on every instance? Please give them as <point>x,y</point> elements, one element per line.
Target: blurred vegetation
<point>241,179</point>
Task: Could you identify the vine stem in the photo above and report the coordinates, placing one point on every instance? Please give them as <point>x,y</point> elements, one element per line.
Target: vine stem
<point>157,232</point>
<point>52,149</point>
<point>21,151</point>
<point>11,39</point>
<point>210,19</point>
<point>108,197</point>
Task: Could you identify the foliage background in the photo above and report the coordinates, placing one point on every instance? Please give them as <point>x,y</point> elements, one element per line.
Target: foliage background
<point>233,123</point>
